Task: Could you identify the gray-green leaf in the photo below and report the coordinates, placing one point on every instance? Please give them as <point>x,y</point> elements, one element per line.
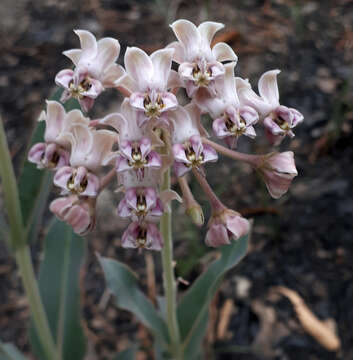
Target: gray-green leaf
<point>64,252</point>
<point>123,283</point>
<point>193,308</point>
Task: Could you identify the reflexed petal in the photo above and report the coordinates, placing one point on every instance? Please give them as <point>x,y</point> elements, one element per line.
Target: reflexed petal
<point>127,83</point>
<point>162,62</point>
<point>188,34</point>
<point>174,80</point>
<point>184,125</point>
<point>88,43</point>
<point>108,50</point>
<point>209,103</point>
<point>223,52</point>
<point>248,97</point>
<point>268,88</point>
<point>179,53</point>
<point>208,29</point>
<point>111,75</point>
<point>81,140</point>
<point>54,120</point>
<point>74,55</point>
<point>139,66</point>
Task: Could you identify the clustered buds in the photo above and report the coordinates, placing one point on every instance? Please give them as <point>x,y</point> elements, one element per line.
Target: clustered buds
<point>152,132</point>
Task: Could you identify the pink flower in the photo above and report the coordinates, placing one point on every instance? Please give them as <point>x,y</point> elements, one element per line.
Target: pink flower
<point>54,152</point>
<point>147,80</point>
<point>278,120</point>
<point>91,148</point>
<point>142,235</point>
<point>49,156</point>
<point>231,120</point>
<point>192,154</point>
<point>225,226</point>
<point>95,69</point>
<point>77,181</point>
<point>200,66</point>
<point>137,155</point>
<point>141,203</point>
<point>278,171</point>
<point>78,213</point>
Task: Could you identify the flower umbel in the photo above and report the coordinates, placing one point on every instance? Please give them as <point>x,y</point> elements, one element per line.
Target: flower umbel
<point>150,132</point>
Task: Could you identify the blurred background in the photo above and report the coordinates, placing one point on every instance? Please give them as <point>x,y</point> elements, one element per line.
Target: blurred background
<point>302,241</point>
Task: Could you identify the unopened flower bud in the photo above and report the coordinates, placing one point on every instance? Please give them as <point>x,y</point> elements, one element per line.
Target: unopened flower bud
<point>78,213</point>
<point>225,226</point>
<point>196,214</point>
<point>278,171</point>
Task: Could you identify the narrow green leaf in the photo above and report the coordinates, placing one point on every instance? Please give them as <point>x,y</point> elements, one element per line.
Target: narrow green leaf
<point>123,283</point>
<point>34,185</point>
<point>194,304</point>
<point>128,354</point>
<point>10,352</point>
<point>58,284</point>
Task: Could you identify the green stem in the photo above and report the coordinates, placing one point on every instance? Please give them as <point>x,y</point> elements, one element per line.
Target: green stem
<point>21,249</point>
<point>168,277</point>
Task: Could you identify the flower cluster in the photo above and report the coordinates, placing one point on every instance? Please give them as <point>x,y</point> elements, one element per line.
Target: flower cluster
<point>152,132</point>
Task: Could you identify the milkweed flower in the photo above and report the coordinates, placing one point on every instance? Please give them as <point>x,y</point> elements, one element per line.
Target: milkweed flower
<point>199,64</point>
<point>55,151</point>
<point>95,69</point>
<point>278,170</point>
<point>90,149</point>
<point>79,213</point>
<point>224,227</point>
<point>231,118</point>
<point>147,79</point>
<point>278,120</point>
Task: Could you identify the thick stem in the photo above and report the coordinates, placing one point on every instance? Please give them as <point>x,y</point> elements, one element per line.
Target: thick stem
<point>168,276</point>
<point>22,253</point>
